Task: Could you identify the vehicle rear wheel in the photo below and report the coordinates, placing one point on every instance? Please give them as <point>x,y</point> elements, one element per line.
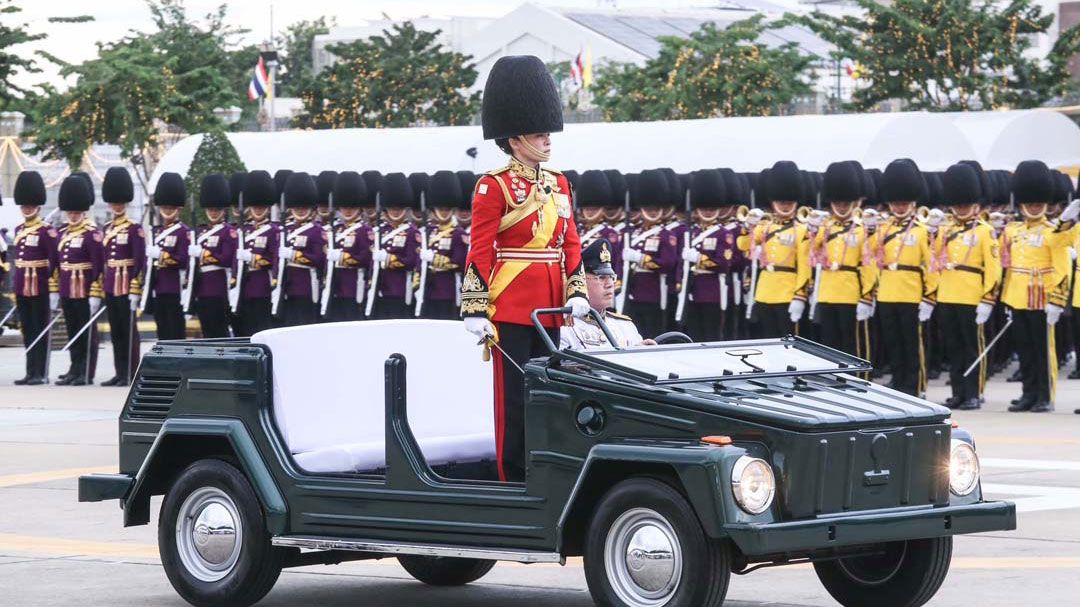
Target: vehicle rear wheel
<point>645,548</point>
<point>445,571</point>
<point>904,574</point>
<point>213,539</point>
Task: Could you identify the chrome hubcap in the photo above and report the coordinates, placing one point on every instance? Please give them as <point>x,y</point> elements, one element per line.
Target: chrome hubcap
<point>642,558</point>
<point>209,534</point>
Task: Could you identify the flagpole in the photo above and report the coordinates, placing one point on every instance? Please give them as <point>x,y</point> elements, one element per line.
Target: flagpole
<point>273,74</point>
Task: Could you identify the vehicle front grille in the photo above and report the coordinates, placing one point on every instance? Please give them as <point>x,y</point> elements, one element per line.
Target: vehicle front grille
<point>153,396</point>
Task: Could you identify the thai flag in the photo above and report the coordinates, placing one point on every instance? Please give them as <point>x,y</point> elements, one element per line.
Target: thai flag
<point>577,69</point>
<point>260,82</point>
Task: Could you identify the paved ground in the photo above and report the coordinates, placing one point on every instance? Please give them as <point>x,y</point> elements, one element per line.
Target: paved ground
<point>54,551</point>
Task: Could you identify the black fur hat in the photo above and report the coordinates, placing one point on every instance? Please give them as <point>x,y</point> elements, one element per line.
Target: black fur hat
<point>88,181</point>
<point>594,190</point>
<point>708,190</point>
<point>468,180</point>
<point>325,181</point>
<point>618,187</point>
<point>75,194</point>
<point>419,184</point>
<point>675,195</point>
<point>731,186</point>
<point>396,191</point>
<point>902,182</point>
<point>960,185</point>
<point>281,177</point>
<point>214,191</point>
<point>29,189</point>
<point>350,190</point>
<point>1000,179</point>
<point>809,189</point>
<point>574,178</point>
<point>782,182</point>
<point>872,186</point>
<point>650,189</point>
<point>236,186</point>
<point>1063,187</point>
<point>117,186</point>
<point>444,190</point>
<point>985,187</point>
<point>1032,182</point>
<point>170,191</point>
<point>373,180</point>
<point>259,190</point>
<point>520,98</point>
<point>301,191</point>
<point>843,182</point>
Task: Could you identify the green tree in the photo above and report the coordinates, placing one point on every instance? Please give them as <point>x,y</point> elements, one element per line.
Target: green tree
<point>296,46</point>
<point>950,55</point>
<point>216,154</point>
<point>11,63</point>
<point>716,71</point>
<point>402,78</point>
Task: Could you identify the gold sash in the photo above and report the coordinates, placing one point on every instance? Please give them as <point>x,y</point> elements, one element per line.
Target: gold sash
<point>542,234</point>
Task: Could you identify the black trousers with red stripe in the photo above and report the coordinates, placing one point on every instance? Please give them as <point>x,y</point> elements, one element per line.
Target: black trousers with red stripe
<point>520,343</point>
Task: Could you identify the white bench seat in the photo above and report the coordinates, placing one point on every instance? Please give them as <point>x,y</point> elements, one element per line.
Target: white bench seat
<point>329,392</point>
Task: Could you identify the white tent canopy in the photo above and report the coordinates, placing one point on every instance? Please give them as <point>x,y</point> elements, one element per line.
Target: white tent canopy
<point>999,140</point>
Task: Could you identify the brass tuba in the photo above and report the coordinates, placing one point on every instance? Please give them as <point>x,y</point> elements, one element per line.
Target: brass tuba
<point>803,214</point>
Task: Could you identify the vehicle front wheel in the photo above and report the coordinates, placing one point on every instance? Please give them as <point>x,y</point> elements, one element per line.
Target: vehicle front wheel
<point>213,540</point>
<point>903,574</point>
<point>645,548</point>
<point>445,571</point>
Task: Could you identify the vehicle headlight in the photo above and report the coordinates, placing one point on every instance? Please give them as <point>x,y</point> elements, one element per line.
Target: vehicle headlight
<point>963,468</point>
<point>753,484</point>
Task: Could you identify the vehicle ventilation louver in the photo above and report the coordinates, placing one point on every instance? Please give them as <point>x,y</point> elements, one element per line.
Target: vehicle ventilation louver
<point>153,396</point>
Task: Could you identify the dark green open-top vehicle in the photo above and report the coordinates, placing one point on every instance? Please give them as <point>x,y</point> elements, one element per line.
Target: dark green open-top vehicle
<point>668,468</point>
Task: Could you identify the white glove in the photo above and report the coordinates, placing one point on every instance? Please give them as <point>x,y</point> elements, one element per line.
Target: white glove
<point>816,218</point>
<point>134,301</point>
<point>863,311</point>
<point>579,307</point>
<point>381,255</point>
<point>754,217</point>
<point>934,219</point>
<point>982,312</point>
<point>285,253</point>
<point>194,250</point>
<point>1053,313</point>
<point>54,301</point>
<point>245,255</point>
<point>1072,253</point>
<point>427,255</point>
<point>870,218</point>
<point>633,255</point>
<point>153,251</point>
<point>1072,211</point>
<point>795,309</point>
<point>691,254</point>
<point>479,326</point>
<point>925,310</point>
<point>95,304</point>
<point>334,255</point>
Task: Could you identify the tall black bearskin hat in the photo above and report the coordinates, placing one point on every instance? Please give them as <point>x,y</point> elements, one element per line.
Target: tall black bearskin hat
<point>574,178</point>
<point>373,180</point>
<point>76,194</point>
<point>1063,187</point>
<point>985,191</point>
<point>843,182</point>
<point>88,181</point>
<point>468,180</point>
<point>960,185</point>
<point>214,191</point>
<point>236,187</point>
<point>594,190</point>
<point>520,98</point>
<point>674,196</point>
<point>444,191</point>
<point>325,181</point>
<point>685,181</point>
<point>783,182</point>
<point>747,196</point>
<point>281,177</point>
<point>618,187</point>
<point>935,189</point>
<point>350,190</point>
<point>809,192</point>
<point>731,186</point>
<point>29,189</point>
<point>419,184</point>
<point>1000,179</point>
<point>259,190</point>
<point>170,191</point>
<point>902,182</point>
<point>396,191</point>
<point>117,186</point>
<point>651,189</point>
<point>874,196</point>
<point>760,188</point>
<point>631,180</point>
<point>708,190</point>
<point>1032,182</point>
<point>301,191</point>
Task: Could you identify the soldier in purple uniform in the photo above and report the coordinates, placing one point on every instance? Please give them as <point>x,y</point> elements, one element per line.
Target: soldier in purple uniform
<point>351,253</point>
<point>168,248</point>
<point>325,182</point>
<point>593,197</point>
<point>80,256</point>
<point>447,248</point>
<point>237,181</point>
<point>710,284</point>
<point>653,253</point>
<point>125,262</point>
<point>214,251</point>
<point>34,254</point>
<point>303,251</point>
<point>731,324</point>
<point>398,251</point>
<point>258,253</point>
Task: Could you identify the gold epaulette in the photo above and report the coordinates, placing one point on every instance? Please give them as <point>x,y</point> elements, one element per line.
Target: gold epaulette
<point>619,316</point>
<point>498,171</point>
<point>553,171</point>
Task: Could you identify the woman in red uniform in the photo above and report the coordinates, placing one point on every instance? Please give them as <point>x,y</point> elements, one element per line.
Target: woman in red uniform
<point>525,252</point>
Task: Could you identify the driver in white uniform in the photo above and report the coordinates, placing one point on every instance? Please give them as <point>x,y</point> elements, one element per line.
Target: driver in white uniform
<point>585,334</point>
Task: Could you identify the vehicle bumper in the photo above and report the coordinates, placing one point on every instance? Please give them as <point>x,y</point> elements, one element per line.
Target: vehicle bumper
<point>101,487</point>
<point>871,527</point>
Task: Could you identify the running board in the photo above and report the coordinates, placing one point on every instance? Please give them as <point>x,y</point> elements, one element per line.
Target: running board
<point>388,547</point>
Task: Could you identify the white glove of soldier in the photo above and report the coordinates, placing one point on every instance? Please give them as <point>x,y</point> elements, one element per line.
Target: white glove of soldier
<point>245,255</point>
<point>691,254</point>
<point>579,307</point>
<point>934,219</point>
<point>194,250</point>
<point>153,251</point>
<point>795,309</point>
<point>1072,211</point>
<point>95,305</point>
<point>1072,253</point>
<point>334,255</point>
<point>54,301</point>
<point>870,218</point>
<point>982,312</point>
<point>479,326</point>
<point>633,255</point>
<point>427,255</point>
<point>926,309</point>
<point>863,311</point>
<point>134,301</point>
<point>754,217</point>
<point>285,253</point>
<point>381,256</point>
<point>1053,314</point>
<point>816,219</point>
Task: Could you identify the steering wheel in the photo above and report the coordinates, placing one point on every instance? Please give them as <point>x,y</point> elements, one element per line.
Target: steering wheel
<point>673,337</point>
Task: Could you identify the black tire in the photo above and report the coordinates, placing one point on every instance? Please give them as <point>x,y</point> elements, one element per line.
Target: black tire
<point>701,566</point>
<point>908,574</point>
<point>445,571</point>
<point>257,563</point>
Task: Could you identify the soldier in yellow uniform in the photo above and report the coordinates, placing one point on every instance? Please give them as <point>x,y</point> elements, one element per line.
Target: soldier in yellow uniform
<point>843,278</point>
<point>968,259</point>
<point>901,249</point>
<point>1036,285</point>
<point>779,248</point>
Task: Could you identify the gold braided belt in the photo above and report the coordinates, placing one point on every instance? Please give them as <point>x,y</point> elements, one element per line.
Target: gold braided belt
<point>30,281</point>
<point>543,255</point>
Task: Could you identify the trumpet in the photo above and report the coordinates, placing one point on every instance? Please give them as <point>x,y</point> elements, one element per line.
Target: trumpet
<point>803,214</point>
<point>750,216</point>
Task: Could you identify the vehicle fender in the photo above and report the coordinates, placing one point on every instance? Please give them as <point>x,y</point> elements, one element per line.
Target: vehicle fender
<point>137,504</point>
